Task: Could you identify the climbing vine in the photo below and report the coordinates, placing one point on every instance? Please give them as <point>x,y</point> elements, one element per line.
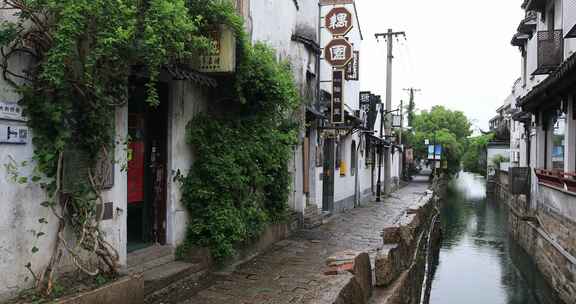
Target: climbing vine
<point>240,180</point>
<point>80,55</point>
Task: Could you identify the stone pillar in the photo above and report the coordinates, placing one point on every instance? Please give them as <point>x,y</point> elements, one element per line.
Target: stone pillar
<point>570,144</point>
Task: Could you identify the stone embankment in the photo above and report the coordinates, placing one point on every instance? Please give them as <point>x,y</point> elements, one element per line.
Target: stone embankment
<point>402,272</point>
<point>543,232</point>
<point>403,266</point>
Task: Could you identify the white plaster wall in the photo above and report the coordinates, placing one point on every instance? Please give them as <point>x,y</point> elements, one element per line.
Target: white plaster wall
<point>21,210</point>
<point>561,202</point>
<point>186,101</point>
<point>494,151</point>
<point>274,23</point>
<point>20,207</point>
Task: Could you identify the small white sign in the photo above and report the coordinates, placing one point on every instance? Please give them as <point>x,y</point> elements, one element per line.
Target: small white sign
<point>13,134</point>
<point>11,111</point>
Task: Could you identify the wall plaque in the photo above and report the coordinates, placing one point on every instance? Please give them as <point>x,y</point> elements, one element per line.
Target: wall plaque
<point>223,57</point>
<point>11,111</point>
<point>10,134</point>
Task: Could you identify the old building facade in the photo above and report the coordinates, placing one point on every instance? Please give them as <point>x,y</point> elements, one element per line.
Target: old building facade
<point>332,168</point>
<point>543,139</point>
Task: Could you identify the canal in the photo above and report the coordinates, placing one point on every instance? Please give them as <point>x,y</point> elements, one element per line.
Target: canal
<point>479,263</point>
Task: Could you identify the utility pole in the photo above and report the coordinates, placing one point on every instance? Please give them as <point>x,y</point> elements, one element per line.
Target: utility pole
<point>380,150</point>
<point>387,156</point>
<point>401,121</point>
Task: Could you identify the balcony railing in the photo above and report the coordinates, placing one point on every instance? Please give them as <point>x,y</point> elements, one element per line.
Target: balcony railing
<point>557,179</point>
<point>550,51</point>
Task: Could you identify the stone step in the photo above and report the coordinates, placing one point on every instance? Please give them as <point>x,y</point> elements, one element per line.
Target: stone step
<point>166,274</point>
<point>163,260</point>
<point>149,254</point>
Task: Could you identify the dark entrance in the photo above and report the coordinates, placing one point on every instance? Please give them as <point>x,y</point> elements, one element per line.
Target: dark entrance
<point>328,176</point>
<point>147,128</point>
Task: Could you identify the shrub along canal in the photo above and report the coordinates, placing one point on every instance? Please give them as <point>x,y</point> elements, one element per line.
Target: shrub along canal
<point>479,263</point>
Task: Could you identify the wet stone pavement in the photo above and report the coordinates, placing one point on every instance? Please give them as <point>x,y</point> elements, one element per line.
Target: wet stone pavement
<point>292,271</point>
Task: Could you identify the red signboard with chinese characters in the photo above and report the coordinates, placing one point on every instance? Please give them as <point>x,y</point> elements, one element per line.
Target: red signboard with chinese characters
<point>338,52</point>
<point>337,116</point>
<point>136,173</point>
<point>338,21</point>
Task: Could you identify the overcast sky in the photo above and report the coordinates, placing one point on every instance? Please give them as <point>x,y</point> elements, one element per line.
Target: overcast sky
<point>457,51</point>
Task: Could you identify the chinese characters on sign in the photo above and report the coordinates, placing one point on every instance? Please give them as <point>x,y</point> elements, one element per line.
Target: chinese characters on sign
<point>337,116</point>
<point>11,111</point>
<point>397,121</point>
<point>365,99</point>
<point>338,52</point>
<point>353,68</point>
<point>222,59</point>
<point>13,134</point>
<point>339,21</point>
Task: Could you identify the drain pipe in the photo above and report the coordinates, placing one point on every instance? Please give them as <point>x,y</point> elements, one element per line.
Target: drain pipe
<point>427,264</point>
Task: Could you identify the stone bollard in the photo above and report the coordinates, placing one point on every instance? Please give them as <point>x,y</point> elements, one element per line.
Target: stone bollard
<point>356,263</point>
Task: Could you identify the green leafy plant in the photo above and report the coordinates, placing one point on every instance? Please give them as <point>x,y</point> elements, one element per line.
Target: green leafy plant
<point>240,180</point>
<point>474,159</point>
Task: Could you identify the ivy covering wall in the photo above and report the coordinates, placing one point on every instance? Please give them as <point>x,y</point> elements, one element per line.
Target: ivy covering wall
<point>240,180</point>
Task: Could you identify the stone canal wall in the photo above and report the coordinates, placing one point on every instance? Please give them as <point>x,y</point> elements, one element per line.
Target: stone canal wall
<point>403,266</point>
<point>546,235</point>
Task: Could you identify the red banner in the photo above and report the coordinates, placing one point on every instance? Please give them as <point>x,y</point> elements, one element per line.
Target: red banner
<point>136,173</point>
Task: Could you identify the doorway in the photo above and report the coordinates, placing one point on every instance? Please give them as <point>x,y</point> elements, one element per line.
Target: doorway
<point>147,166</point>
<point>328,176</point>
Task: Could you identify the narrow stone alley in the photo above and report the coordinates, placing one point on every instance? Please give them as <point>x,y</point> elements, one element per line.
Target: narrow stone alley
<point>292,271</point>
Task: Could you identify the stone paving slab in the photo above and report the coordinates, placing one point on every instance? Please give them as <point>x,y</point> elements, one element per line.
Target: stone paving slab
<point>292,271</point>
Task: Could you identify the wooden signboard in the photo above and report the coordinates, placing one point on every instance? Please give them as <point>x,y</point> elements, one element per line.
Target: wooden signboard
<point>339,21</point>
<point>338,52</point>
<point>337,116</point>
<point>223,58</point>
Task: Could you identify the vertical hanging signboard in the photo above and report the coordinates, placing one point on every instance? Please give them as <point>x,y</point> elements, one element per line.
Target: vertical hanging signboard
<point>337,116</point>
<point>353,68</point>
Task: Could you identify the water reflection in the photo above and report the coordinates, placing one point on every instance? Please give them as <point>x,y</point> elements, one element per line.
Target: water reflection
<point>479,263</point>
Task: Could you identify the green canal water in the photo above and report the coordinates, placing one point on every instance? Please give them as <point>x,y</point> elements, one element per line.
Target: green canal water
<point>479,263</point>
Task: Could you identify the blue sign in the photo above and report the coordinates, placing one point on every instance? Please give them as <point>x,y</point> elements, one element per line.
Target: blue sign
<point>430,152</point>
<point>438,152</point>
<point>434,152</point>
